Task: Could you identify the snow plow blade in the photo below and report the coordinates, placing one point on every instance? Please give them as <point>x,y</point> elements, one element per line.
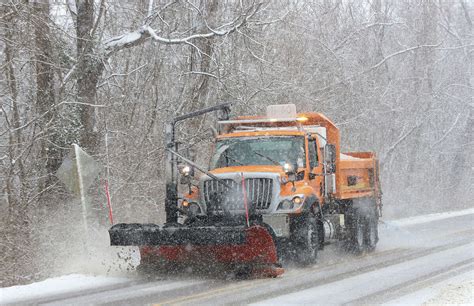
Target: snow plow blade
<point>154,235</point>
<point>233,244</point>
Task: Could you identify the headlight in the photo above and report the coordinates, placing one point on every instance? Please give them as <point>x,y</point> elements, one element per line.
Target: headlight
<point>297,200</point>
<point>194,209</point>
<point>286,205</point>
<point>292,204</point>
<point>185,171</point>
<point>190,208</point>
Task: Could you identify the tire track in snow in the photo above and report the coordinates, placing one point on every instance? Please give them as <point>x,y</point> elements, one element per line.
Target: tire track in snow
<point>416,284</point>
<point>307,278</point>
<point>120,294</point>
<point>356,288</point>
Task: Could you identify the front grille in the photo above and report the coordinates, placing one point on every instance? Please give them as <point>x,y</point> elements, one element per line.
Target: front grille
<point>259,193</point>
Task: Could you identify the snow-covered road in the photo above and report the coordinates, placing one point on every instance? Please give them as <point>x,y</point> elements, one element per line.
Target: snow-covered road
<point>425,259</point>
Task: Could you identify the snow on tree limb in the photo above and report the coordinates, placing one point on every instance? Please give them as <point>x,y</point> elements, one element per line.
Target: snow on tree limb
<point>138,37</point>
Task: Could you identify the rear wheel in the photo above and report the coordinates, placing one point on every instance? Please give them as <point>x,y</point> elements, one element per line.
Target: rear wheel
<point>362,223</point>
<point>372,235</point>
<point>358,234</point>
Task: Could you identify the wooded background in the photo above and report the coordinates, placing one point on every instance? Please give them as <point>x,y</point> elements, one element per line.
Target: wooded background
<point>395,76</point>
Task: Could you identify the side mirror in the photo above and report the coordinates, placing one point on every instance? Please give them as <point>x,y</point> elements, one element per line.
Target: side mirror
<point>330,158</point>
<point>329,153</point>
<point>291,169</point>
<point>187,172</point>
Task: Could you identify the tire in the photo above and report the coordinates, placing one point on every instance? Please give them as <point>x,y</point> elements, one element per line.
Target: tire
<point>358,236</point>
<point>306,241</point>
<point>321,233</point>
<point>362,226</point>
<point>372,234</point>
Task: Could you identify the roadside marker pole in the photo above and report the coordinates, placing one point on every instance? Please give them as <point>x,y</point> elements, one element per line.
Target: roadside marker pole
<point>81,187</point>
<point>109,205</point>
<point>82,194</point>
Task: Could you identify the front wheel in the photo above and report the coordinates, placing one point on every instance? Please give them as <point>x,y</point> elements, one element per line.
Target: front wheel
<point>307,241</point>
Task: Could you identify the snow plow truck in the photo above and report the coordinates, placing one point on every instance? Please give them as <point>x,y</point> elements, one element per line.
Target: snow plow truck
<point>276,186</point>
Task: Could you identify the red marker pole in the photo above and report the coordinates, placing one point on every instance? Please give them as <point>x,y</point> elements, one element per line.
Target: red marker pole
<point>109,205</point>
<point>245,201</point>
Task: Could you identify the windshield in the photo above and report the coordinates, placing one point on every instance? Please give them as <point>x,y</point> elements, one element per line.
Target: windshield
<point>259,151</point>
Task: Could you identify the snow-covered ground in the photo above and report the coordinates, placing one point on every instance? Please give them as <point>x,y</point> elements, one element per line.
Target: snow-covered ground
<point>57,285</point>
<point>431,217</point>
<point>366,284</point>
<point>457,289</point>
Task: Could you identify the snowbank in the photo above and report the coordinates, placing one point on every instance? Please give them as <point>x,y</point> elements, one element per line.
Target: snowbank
<point>455,293</point>
<point>55,286</point>
<point>458,290</point>
<point>431,217</point>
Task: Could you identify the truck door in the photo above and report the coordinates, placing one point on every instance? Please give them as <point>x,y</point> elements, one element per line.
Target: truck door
<point>315,166</point>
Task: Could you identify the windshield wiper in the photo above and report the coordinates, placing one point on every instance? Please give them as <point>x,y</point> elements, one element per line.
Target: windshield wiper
<point>233,159</point>
<point>267,158</point>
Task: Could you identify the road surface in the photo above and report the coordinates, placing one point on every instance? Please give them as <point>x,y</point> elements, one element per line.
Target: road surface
<point>411,257</point>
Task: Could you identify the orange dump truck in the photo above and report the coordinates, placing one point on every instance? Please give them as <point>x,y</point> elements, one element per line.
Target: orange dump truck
<point>276,186</point>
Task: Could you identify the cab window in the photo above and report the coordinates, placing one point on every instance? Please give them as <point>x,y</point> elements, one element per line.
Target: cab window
<point>313,155</point>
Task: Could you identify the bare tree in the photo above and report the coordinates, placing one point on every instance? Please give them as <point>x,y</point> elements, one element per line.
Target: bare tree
<point>92,56</point>
<point>45,91</point>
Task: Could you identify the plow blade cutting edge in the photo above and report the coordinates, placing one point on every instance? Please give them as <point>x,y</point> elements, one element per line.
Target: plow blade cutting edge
<point>252,245</point>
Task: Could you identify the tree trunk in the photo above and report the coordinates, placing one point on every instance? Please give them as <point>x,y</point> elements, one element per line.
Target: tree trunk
<point>201,62</point>
<point>88,72</point>
<point>16,169</point>
<point>45,96</point>
<point>423,64</point>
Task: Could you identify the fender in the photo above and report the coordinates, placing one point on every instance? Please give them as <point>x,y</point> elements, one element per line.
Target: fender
<point>366,206</point>
<point>309,203</point>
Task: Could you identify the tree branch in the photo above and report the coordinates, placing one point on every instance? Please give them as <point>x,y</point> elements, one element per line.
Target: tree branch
<point>132,39</point>
<point>402,139</point>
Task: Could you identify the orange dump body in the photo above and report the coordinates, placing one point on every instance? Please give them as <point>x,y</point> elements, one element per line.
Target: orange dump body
<point>358,175</point>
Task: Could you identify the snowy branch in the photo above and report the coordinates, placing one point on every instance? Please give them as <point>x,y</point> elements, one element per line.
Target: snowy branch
<point>402,139</point>
<point>447,132</point>
<point>202,73</point>
<point>138,37</point>
<point>376,66</point>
